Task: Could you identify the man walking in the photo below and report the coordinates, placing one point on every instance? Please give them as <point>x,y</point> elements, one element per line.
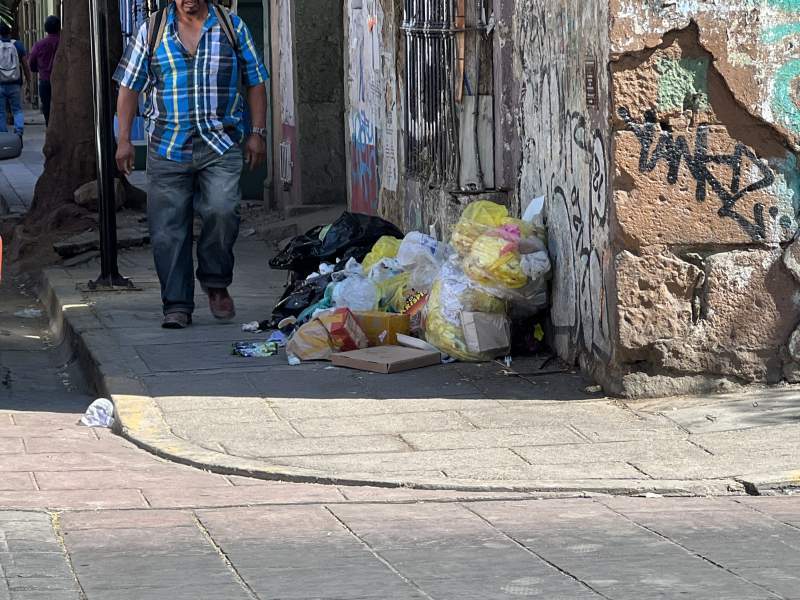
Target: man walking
<point>190,58</point>
<point>41,61</point>
<point>13,66</point>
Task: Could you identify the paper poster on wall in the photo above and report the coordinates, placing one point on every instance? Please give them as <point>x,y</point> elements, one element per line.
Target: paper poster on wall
<point>389,167</point>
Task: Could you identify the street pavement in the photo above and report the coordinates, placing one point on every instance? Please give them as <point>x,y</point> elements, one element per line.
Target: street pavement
<point>85,515</point>
<point>534,426</point>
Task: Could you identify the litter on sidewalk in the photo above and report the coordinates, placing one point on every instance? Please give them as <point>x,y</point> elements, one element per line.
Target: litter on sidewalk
<point>359,276</point>
<point>100,413</point>
<point>387,359</point>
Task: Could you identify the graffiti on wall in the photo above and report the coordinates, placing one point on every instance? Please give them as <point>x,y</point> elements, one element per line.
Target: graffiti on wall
<point>584,210</point>
<point>366,20</point>
<point>564,157</point>
<point>363,165</point>
<point>784,98</point>
<point>675,151</point>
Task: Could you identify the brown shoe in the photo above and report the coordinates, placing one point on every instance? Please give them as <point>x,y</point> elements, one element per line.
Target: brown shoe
<point>176,320</point>
<point>221,303</point>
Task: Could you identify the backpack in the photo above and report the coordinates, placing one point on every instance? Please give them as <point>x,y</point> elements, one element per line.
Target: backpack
<point>157,23</point>
<point>9,62</point>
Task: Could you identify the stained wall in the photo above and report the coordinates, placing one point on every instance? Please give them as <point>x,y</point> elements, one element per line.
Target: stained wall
<point>705,192</point>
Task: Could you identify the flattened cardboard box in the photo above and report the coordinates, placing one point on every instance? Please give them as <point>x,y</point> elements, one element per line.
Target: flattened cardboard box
<point>387,359</point>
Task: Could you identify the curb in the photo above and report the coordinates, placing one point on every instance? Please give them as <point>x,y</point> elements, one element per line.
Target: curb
<point>139,420</point>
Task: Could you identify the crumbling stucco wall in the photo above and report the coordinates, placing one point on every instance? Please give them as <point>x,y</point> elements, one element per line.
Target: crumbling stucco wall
<point>705,190</point>
<point>561,57</point>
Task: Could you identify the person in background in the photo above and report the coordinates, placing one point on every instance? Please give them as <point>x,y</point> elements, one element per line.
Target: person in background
<point>13,66</point>
<point>41,61</point>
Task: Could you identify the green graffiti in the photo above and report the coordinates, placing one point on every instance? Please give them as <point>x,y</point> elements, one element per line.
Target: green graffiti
<point>786,189</point>
<point>783,102</point>
<point>683,84</point>
<point>787,5</point>
<point>773,35</point>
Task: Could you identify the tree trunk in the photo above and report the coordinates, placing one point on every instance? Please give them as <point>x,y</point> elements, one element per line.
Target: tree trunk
<point>69,150</point>
<point>69,145</point>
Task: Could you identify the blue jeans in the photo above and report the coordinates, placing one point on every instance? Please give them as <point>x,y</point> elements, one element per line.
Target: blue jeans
<point>209,185</point>
<point>12,92</point>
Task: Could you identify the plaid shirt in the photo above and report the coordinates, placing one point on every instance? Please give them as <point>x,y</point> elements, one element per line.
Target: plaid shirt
<point>192,94</point>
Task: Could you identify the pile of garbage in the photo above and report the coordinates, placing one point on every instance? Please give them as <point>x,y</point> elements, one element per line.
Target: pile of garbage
<point>360,283</point>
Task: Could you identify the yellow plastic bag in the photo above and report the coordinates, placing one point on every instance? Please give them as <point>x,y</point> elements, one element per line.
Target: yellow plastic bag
<point>476,219</point>
<point>385,247</point>
<point>494,261</point>
<point>392,291</point>
<point>453,294</point>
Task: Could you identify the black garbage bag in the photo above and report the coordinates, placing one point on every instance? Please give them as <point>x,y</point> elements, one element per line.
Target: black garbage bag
<point>346,238</point>
<point>353,229</point>
<point>298,297</point>
<point>300,254</point>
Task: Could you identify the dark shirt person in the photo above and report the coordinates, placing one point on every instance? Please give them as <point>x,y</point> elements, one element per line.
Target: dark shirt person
<point>41,61</point>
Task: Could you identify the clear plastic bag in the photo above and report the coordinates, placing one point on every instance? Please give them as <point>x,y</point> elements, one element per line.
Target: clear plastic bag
<point>454,293</point>
<point>356,293</point>
<point>423,257</point>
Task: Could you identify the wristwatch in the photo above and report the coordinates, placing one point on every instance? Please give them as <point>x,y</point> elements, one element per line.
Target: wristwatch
<point>262,131</point>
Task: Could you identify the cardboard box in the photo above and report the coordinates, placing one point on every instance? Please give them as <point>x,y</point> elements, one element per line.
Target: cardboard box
<point>382,327</point>
<point>486,333</point>
<point>345,332</point>
<point>387,359</point>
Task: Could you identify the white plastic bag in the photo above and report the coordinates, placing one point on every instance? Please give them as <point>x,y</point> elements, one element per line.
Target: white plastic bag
<point>99,414</point>
<point>384,269</point>
<point>423,257</point>
<point>356,293</point>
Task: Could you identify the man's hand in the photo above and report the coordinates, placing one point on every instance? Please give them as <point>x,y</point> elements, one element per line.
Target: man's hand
<point>255,151</point>
<point>125,157</point>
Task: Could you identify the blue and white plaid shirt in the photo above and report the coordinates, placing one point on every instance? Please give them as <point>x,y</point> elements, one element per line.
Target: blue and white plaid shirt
<point>188,94</point>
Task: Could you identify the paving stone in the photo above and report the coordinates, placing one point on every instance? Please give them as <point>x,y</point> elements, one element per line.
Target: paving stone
<point>534,473</point>
<point>283,547</point>
<point>492,438</point>
<point>783,509</point>
<point>191,383</point>
<point>210,403</point>
<point>775,437</point>
<point>311,408</point>
<point>196,357</point>
<point>442,460</point>
<point>209,433</point>
<point>741,463</point>
<point>277,493</point>
<point>11,445</point>
<point>315,446</point>
<point>443,381</point>
<point>80,445</point>
<point>32,562</point>
<point>130,479</point>
<point>383,424</point>
<point>297,384</point>
<point>126,519</point>
<point>16,481</point>
<point>76,460</point>
<point>669,450</point>
<point>187,420</point>
<point>72,499</point>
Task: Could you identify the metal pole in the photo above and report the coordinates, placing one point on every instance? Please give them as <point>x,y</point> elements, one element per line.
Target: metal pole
<point>104,147</point>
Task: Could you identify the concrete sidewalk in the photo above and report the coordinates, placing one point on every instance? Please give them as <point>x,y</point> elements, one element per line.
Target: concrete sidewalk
<point>180,394</point>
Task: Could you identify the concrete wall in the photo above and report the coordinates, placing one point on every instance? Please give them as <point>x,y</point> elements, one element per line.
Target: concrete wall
<point>308,100</point>
<point>564,137</point>
<point>706,194</point>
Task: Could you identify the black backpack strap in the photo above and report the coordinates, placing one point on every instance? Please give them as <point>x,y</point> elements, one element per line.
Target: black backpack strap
<point>225,21</point>
<point>156,25</point>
